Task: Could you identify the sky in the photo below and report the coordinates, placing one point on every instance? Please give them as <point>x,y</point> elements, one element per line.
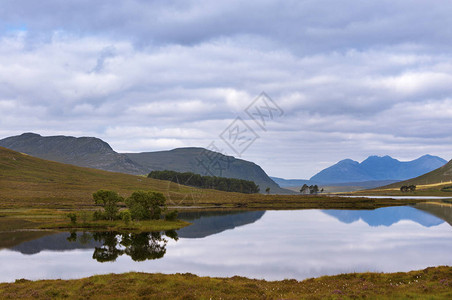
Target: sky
<point>346,79</point>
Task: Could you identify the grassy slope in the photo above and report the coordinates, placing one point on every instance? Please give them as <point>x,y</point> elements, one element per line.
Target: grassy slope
<point>27,182</point>
<point>443,174</point>
<point>427,184</point>
<point>431,283</point>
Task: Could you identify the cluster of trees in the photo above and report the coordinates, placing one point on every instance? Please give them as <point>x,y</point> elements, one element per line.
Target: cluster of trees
<point>207,182</point>
<point>408,188</point>
<point>142,205</point>
<point>311,189</point>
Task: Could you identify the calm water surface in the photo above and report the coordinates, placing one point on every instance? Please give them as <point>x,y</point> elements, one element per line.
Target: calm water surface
<point>272,245</point>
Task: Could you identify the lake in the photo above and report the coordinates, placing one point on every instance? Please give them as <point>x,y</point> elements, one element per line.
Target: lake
<point>270,245</point>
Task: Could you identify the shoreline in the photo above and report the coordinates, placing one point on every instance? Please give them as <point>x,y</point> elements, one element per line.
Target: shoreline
<point>429,283</point>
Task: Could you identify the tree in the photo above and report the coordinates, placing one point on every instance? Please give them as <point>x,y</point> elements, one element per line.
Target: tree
<point>109,200</point>
<point>126,216</point>
<point>171,216</point>
<point>145,205</point>
<point>267,190</point>
<point>313,189</point>
<point>72,217</point>
<point>304,188</point>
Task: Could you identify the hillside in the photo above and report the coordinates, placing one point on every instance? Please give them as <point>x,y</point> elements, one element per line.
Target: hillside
<point>442,174</point>
<point>376,168</point>
<point>33,182</point>
<point>83,151</point>
<point>205,162</point>
<point>29,182</point>
<point>94,153</point>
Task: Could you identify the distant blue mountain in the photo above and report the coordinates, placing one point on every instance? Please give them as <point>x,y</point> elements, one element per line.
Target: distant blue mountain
<point>378,168</point>
<point>291,182</point>
<point>386,216</point>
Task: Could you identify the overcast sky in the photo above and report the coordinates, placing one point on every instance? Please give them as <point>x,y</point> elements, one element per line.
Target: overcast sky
<point>352,78</point>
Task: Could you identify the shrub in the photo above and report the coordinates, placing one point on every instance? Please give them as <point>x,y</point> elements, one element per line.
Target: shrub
<point>126,216</point>
<point>72,217</point>
<point>98,215</point>
<point>171,216</point>
<point>109,200</point>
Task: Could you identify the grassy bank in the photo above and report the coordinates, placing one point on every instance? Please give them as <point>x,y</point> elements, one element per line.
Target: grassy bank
<point>431,283</point>
<point>54,219</point>
<point>119,226</point>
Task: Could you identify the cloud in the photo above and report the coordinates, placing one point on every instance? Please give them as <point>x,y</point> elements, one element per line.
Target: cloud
<point>146,75</point>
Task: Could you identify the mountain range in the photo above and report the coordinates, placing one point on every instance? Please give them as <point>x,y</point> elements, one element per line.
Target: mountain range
<point>95,153</point>
<point>376,168</point>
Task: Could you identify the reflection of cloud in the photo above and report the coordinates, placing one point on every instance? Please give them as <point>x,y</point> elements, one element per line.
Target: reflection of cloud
<point>282,244</point>
<point>385,216</point>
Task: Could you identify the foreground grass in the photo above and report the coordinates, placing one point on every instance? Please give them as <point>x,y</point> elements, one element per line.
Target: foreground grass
<point>431,283</point>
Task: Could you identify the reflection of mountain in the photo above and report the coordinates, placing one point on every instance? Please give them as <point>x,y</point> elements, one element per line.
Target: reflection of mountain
<point>9,239</point>
<point>441,210</point>
<point>57,242</point>
<point>386,216</point>
<point>208,223</point>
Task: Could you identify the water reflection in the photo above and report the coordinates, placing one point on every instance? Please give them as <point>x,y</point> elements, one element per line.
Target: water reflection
<point>442,210</point>
<point>272,245</point>
<point>139,246</point>
<point>205,223</point>
<point>386,216</point>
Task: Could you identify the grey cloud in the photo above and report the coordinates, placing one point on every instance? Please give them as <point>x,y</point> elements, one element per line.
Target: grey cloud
<point>305,26</point>
<point>353,78</point>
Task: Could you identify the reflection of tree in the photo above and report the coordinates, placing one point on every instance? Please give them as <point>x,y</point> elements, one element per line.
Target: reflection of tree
<point>139,246</point>
<point>108,251</point>
<point>72,237</point>
<point>143,246</point>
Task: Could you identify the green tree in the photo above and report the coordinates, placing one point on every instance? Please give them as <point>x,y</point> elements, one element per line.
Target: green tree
<point>145,205</point>
<point>267,190</point>
<point>126,216</point>
<point>72,217</point>
<point>109,200</point>
<point>171,216</point>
